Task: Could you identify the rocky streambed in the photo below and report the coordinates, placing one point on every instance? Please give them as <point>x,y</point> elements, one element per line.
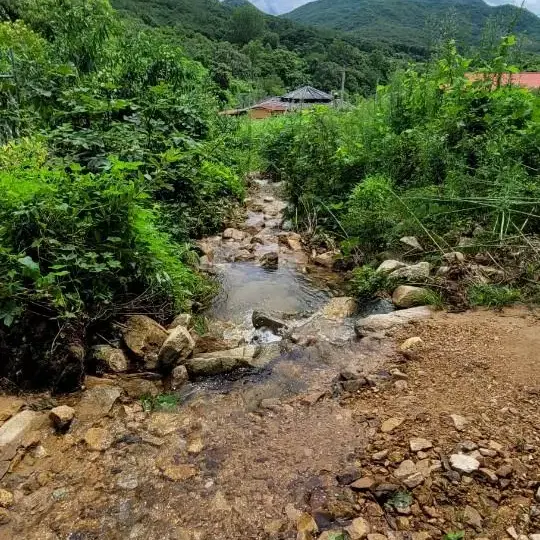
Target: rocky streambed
<point>287,416</point>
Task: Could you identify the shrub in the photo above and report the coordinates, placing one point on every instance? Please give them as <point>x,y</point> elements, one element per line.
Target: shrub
<point>367,283</point>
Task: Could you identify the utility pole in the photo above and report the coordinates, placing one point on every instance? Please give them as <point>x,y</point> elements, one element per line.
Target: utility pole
<point>343,87</point>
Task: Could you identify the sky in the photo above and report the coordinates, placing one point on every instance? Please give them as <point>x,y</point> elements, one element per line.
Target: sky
<point>277,7</point>
<point>531,5</point>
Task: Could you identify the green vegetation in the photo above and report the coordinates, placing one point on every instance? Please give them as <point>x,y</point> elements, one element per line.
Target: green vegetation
<point>161,402</point>
<point>111,160</point>
<point>366,283</point>
<point>432,155</point>
<point>250,55</point>
<point>423,22</point>
<point>496,296</point>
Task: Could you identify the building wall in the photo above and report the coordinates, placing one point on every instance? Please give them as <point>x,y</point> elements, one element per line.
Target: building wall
<point>259,114</point>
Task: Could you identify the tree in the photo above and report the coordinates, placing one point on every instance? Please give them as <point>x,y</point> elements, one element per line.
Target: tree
<point>247,24</point>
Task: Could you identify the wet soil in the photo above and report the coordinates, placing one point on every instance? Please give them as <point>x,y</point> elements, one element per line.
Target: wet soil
<point>247,453</point>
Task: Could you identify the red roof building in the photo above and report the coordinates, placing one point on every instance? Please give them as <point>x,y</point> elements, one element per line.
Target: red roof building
<point>530,80</point>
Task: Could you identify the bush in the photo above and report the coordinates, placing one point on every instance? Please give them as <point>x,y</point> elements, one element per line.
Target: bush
<point>367,283</point>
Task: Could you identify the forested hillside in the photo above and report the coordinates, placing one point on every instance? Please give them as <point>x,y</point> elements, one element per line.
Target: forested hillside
<point>416,22</point>
<point>251,55</point>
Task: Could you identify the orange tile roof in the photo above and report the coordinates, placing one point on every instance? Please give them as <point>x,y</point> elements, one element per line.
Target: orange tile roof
<point>529,80</point>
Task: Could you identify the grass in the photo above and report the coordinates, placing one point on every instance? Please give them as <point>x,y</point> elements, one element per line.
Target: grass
<point>161,402</point>
<point>496,296</point>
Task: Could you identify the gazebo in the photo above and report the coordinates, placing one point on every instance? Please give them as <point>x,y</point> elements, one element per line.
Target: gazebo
<point>307,94</point>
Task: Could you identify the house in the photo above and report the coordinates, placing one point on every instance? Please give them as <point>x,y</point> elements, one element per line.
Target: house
<point>530,80</point>
<point>299,99</point>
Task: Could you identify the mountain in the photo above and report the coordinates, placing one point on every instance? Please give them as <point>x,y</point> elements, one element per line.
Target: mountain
<point>419,21</point>
<point>531,5</point>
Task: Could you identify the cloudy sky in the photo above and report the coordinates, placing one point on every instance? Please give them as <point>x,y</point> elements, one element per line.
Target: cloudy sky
<point>531,5</point>
<point>276,7</point>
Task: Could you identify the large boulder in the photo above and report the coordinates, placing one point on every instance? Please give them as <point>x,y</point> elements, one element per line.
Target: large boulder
<point>97,402</point>
<point>221,362</point>
<point>270,260</point>
<point>17,426</point>
<point>388,321</point>
<point>234,234</point>
<point>339,308</point>
<point>406,296</point>
<point>325,259</point>
<point>112,358</point>
<point>264,320</point>
<point>184,319</point>
<point>414,272</point>
<point>145,337</point>
<point>411,242</point>
<point>176,348</point>
<point>389,266</point>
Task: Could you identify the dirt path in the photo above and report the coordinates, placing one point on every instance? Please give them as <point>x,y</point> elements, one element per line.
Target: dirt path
<point>335,434</point>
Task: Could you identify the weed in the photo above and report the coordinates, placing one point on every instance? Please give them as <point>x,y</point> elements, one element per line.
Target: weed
<point>161,402</point>
<point>496,296</point>
<point>458,535</point>
<point>434,299</point>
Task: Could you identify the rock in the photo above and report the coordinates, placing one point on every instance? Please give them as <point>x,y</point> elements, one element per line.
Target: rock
<point>176,348</point>
<point>380,456</point>
<point>472,517</point>
<point>5,516</point>
<point>376,536</point>
<point>358,529</point>
<point>145,337</point>
<point>268,199</point>
<point>127,481</point>
<point>184,319</point>
<point>363,484</point>
<point>489,475</point>
<point>392,423</point>
<point>406,296</point>
<point>401,386</point>
<point>233,234</point>
<point>17,426</point>
<point>405,469</point>
<point>6,498</point>
<point>162,424</point>
<point>460,422</point>
<point>112,358</point>
<point>179,377</point>
<point>294,244</point>
<point>62,417</point>
<point>221,362</point>
<point>454,256</point>
<point>339,308</point>
<point>388,321</point>
<point>537,496</point>
<point>264,320</point>
<point>97,402</point>
<point>418,444</point>
<point>179,472</point>
<point>504,471</point>
<point>324,259</point>
<point>355,385</point>
<point>9,406</point>
<point>463,463</point>
<point>136,388</point>
<point>412,242</point>
<point>270,260</point>
<point>389,266</point>
<point>306,524</point>
<point>414,480</point>
<point>98,439</point>
<point>411,344</point>
<point>414,272</point>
